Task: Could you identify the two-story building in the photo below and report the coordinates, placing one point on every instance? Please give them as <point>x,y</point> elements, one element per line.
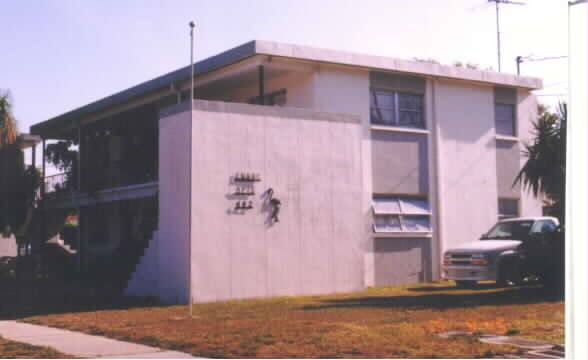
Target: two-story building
<point>296,170</point>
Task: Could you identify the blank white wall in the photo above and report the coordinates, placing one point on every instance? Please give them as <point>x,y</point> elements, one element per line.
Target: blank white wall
<point>174,200</point>
<point>468,160</point>
<point>313,163</point>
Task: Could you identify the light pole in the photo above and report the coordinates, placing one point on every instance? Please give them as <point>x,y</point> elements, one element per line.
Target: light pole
<point>190,167</point>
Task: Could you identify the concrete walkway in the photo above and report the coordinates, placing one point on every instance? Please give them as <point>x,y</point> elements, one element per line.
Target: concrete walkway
<point>82,345</point>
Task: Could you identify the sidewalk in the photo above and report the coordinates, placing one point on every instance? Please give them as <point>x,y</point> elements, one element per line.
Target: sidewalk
<point>82,345</point>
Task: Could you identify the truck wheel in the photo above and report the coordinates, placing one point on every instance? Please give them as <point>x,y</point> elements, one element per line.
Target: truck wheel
<point>509,274</point>
<point>466,284</point>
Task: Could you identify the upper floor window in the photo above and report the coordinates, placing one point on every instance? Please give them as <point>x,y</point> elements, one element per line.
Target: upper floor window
<point>394,108</point>
<point>505,100</point>
<point>401,214</point>
<point>504,117</point>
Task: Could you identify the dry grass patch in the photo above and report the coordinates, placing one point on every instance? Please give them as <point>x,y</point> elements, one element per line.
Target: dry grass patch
<point>17,350</point>
<point>394,322</point>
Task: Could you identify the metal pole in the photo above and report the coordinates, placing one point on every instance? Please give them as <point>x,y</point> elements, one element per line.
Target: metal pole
<point>27,243</point>
<point>519,60</point>
<point>190,167</point>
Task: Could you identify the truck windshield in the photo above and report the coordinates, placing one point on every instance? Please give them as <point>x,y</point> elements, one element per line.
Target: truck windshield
<point>512,230</point>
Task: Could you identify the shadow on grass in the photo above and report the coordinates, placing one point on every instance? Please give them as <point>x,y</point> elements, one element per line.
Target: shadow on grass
<point>25,298</point>
<point>453,288</point>
<point>445,301</point>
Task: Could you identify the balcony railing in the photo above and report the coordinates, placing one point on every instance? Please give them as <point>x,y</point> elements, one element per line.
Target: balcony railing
<point>56,183</point>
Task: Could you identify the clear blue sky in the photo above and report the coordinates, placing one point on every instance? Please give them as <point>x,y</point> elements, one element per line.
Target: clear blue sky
<point>59,55</point>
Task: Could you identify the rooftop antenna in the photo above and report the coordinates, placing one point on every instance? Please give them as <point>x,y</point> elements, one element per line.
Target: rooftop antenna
<point>498,2</point>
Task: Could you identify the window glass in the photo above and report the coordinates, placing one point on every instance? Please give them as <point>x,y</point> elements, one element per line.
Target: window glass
<point>386,206</point>
<point>382,99</point>
<point>508,208</point>
<point>414,206</point>
<point>397,109</point>
<point>544,226</point>
<point>387,223</point>
<point>401,214</point>
<point>504,119</point>
<point>416,223</point>
<point>410,102</point>
<point>382,116</point>
<point>510,230</point>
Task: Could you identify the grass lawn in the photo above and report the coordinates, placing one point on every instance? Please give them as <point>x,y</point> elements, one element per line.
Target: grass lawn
<point>17,350</point>
<point>393,322</point>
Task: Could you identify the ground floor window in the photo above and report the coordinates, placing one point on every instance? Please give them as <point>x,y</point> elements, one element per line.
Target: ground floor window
<point>508,208</point>
<point>401,214</point>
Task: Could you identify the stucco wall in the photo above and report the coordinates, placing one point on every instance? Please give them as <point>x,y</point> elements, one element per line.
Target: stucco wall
<point>467,156</point>
<point>340,89</point>
<point>309,159</point>
<point>174,206</point>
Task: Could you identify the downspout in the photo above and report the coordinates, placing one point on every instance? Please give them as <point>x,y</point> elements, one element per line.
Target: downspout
<point>261,81</point>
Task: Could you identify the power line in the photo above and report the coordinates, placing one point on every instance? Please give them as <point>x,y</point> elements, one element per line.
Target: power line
<point>554,84</point>
<point>519,59</point>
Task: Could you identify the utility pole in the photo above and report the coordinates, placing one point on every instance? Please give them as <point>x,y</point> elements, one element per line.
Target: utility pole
<point>498,2</point>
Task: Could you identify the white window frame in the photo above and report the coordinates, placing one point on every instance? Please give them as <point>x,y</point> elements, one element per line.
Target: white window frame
<point>397,110</point>
<point>401,213</point>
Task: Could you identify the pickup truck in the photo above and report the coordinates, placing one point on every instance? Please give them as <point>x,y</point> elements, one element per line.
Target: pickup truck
<point>513,250</point>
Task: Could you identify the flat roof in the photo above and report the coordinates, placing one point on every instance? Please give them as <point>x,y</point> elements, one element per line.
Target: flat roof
<point>307,53</point>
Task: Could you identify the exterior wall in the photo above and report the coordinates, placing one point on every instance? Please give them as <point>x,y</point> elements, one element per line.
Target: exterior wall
<point>309,159</point>
<point>467,156</point>
<point>526,115</point>
<point>399,163</point>
<point>339,89</point>
<point>174,206</point>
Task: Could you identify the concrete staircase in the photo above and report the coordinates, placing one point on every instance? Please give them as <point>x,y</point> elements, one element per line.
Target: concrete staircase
<point>144,280</point>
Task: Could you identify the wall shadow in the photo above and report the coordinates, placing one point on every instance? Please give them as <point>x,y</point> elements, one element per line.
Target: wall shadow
<point>445,300</point>
<point>25,298</point>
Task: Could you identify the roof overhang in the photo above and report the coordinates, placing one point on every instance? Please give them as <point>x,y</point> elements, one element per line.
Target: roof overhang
<point>64,126</point>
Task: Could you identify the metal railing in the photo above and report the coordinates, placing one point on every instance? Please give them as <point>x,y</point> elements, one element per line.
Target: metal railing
<point>55,183</point>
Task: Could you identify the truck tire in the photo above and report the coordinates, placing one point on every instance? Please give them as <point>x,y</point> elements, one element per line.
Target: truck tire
<point>466,284</point>
<point>509,273</point>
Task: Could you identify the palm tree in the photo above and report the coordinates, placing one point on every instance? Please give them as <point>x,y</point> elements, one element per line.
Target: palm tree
<point>12,169</point>
<point>545,169</point>
<point>8,128</point>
